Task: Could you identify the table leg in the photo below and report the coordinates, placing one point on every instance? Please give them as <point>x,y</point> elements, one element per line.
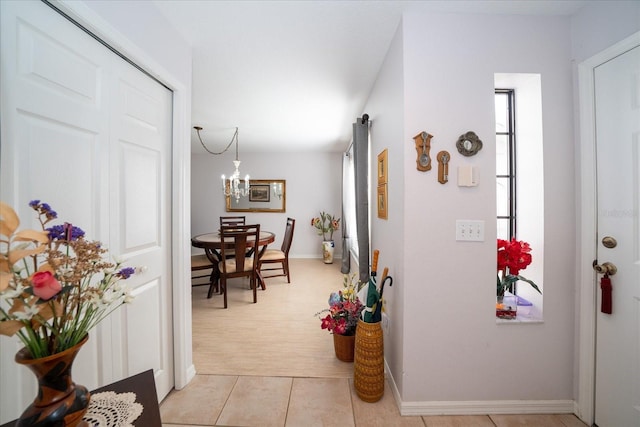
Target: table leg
<point>259,273</point>
<point>214,279</point>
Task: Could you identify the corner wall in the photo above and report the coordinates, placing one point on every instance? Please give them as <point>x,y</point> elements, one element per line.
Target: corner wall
<point>455,358</point>
<point>386,112</point>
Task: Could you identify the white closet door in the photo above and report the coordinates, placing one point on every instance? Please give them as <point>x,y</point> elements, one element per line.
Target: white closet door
<point>140,140</point>
<point>89,134</point>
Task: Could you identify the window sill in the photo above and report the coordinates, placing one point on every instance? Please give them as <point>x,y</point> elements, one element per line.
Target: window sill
<point>519,320</point>
<point>527,313</point>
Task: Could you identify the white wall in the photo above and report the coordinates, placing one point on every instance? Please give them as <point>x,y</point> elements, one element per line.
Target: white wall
<point>386,112</point>
<point>453,350</point>
<point>314,183</point>
<point>600,24</point>
<point>147,28</point>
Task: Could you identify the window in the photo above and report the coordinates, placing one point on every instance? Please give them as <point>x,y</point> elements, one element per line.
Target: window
<point>519,176</point>
<point>505,163</point>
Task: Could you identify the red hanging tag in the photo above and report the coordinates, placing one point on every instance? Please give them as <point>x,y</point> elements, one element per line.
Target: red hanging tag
<point>605,285</point>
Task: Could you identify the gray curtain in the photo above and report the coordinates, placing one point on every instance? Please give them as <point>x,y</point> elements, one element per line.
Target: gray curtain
<point>346,231</point>
<point>361,165</point>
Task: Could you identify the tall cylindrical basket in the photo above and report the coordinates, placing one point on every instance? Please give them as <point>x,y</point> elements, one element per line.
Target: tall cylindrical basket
<point>368,364</point>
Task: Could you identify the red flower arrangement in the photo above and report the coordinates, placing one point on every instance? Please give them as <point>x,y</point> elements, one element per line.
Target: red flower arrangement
<point>513,256</point>
<point>344,310</point>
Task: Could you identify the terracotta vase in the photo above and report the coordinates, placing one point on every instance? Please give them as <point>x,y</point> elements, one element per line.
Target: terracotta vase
<point>344,345</point>
<point>368,366</point>
<point>60,402</point>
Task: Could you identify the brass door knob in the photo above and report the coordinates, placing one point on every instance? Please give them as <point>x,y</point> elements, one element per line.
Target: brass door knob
<point>605,268</point>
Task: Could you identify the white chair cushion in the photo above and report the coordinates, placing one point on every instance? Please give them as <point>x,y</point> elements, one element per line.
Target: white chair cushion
<point>231,265</point>
<point>200,262</point>
<point>272,255</point>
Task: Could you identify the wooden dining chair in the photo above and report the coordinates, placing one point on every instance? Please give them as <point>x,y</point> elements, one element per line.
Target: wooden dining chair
<point>234,241</point>
<point>279,256</point>
<point>202,267</point>
<point>232,220</point>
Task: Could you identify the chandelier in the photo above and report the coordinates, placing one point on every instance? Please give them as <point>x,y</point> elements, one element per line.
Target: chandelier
<point>230,187</point>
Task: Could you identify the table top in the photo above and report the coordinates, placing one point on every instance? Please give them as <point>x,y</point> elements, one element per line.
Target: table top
<point>144,386</point>
<point>212,240</point>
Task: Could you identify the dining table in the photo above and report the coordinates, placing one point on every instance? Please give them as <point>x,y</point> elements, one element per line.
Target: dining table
<point>212,244</point>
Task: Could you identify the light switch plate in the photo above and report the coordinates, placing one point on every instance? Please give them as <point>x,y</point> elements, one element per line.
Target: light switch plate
<point>469,230</point>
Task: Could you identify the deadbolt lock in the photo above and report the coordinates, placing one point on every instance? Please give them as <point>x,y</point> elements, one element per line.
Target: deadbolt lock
<point>609,242</point>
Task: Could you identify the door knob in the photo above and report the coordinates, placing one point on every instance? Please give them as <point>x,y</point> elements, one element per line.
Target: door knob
<point>605,268</point>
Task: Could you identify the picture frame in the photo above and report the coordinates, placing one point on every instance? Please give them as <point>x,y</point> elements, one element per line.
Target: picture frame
<point>382,201</point>
<point>382,167</point>
<point>259,193</point>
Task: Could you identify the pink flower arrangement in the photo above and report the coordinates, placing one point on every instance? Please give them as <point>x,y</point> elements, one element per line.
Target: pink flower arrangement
<point>344,310</point>
<point>55,286</point>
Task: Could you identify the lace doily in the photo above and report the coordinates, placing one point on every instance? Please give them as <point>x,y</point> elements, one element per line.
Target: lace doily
<point>112,409</point>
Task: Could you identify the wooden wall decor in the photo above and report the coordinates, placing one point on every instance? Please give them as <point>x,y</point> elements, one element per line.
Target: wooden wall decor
<point>383,170</point>
<point>383,167</point>
<point>423,146</point>
<point>382,201</point>
<point>443,158</point>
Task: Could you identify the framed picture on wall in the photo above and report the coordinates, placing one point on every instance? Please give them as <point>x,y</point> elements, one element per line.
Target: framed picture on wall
<point>382,201</point>
<point>259,193</point>
<point>382,167</point>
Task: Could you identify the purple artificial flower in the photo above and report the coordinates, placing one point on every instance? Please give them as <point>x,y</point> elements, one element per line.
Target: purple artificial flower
<point>126,272</point>
<point>43,209</point>
<point>61,232</point>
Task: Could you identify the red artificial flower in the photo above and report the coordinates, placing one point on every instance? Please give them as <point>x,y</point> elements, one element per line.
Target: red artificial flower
<point>327,322</point>
<point>514,255</point>
<point>340,327</point>
<point>45,286</point>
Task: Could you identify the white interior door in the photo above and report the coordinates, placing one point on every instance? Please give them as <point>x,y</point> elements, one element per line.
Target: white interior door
<point>89,134</point>
<point>617,117</point>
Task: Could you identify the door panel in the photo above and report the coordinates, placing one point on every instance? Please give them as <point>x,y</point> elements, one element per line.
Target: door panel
<point>141,135</point>
<point>617,109</point>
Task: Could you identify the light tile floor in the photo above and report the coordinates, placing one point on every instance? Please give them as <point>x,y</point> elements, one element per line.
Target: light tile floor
<point>221,400</point>
<point>298,383</point>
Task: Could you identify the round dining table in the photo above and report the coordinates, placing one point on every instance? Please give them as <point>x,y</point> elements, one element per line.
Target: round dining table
<point>211,243</point>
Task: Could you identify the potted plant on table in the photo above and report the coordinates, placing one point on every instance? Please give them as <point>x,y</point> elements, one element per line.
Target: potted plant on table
<point>342,317</point>
<point>326,224</point>
<point>513,256</point>
<point>55,287</point>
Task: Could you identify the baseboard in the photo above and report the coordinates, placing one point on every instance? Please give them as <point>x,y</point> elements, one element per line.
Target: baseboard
<point>484,407</point>
<point>189,375</point>
<point>478,407</point>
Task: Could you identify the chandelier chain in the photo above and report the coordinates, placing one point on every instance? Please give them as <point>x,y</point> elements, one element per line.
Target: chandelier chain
<point>233,138</point>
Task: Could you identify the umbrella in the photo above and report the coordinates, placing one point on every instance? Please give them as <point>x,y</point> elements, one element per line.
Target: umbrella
<point>377,312</point>
<point>369,293</point>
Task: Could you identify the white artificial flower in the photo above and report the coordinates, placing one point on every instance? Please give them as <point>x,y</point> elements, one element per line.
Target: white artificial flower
<point>27,314</point>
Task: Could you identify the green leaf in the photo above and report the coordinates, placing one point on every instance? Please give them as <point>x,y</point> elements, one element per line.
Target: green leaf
<point>529,282</point>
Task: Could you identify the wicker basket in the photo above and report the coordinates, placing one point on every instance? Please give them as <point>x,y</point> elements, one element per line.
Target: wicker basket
<point>344,346</point>
<point>368,375</point>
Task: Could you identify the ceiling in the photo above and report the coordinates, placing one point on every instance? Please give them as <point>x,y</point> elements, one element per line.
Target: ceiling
<point>294,75</point>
